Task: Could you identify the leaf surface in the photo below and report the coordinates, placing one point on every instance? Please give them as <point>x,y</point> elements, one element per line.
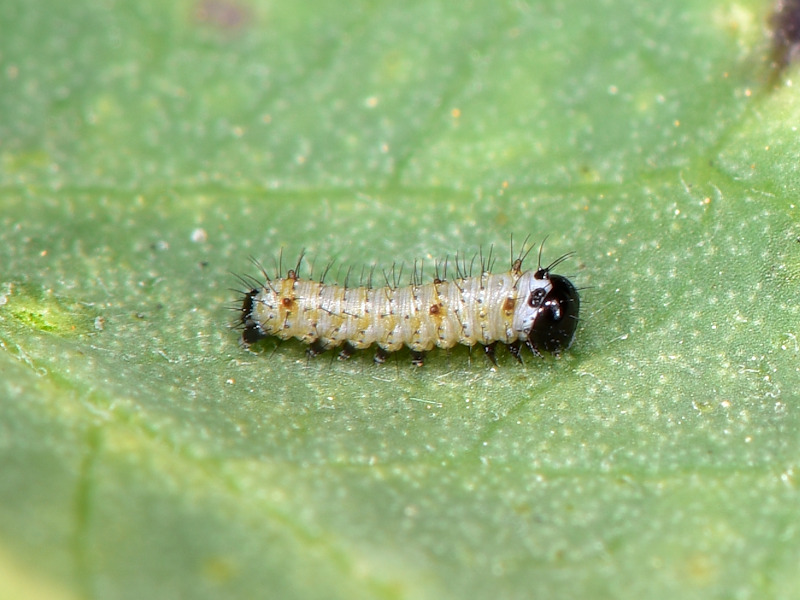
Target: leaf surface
<point>149,149</point>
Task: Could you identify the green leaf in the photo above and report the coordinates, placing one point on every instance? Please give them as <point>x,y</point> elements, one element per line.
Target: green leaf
<point>149,149</point>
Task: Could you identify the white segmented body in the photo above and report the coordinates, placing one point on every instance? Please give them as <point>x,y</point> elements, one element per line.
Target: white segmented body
<point>469,311</point>
<point>534,307</point>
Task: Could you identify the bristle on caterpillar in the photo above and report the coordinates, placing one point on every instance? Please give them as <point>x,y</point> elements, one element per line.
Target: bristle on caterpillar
<point>536,308</point>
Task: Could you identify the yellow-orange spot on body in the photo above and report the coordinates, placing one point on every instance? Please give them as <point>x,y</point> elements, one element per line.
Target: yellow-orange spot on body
<point>456,112</point>
<point>287,302</point>
<point>437,314</point>
<point>508,305</point>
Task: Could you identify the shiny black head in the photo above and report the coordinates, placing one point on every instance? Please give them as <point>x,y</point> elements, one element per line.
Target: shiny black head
<point>556,309</point>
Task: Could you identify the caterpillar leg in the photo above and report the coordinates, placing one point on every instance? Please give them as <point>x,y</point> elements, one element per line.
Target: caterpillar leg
<point>380,356</point>
<point>347,351</point>
<point>533,348</point>
<point>252,333</point>
<point>315,348</point>
<point>417,358</point>
<point>513,347</point>
<point>489,350</point>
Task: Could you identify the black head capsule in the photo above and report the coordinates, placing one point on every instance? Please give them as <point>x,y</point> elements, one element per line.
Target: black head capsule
<point>548,317</point>
<point>252,330</point>
<point>557,316</point>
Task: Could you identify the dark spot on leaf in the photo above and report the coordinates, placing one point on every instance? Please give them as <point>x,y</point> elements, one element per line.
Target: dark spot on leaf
<point>228,16</point>
<point>785,24</point>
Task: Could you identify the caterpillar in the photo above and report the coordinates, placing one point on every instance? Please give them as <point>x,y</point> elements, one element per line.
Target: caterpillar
<point>535,307</point>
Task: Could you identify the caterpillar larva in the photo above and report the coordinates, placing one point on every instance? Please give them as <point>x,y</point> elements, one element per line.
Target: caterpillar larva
<point>534,307</point>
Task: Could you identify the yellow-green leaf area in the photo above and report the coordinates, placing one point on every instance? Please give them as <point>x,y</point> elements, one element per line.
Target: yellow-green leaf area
<point>39,310</point>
